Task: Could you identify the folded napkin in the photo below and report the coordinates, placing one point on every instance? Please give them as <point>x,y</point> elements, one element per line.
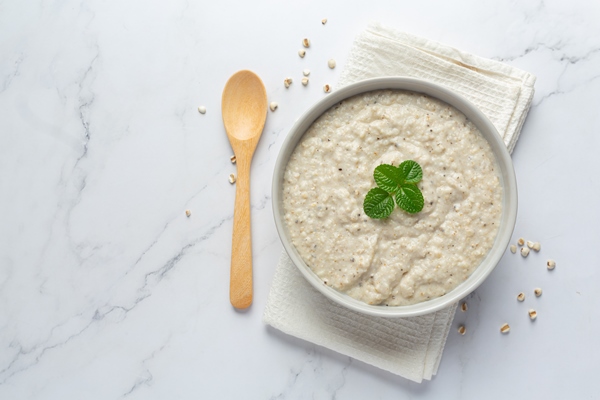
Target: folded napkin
<point>409,347</point>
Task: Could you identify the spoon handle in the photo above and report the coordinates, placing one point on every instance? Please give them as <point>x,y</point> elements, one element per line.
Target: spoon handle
<point>240,283</point>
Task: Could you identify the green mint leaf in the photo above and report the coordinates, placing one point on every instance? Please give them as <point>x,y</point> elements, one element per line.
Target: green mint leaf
<point>388,177</point>
<point>411,171</point>
<point>399,184</point>
<point>409,198</point>
<point>378,203</point>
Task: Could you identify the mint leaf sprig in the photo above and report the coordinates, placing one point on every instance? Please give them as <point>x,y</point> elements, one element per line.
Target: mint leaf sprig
<point>395,183</point>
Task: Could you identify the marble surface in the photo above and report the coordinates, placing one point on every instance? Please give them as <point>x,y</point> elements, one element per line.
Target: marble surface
<point>107,289</point>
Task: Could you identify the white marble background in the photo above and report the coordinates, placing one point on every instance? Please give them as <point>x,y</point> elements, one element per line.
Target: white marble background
<point>108,291</point>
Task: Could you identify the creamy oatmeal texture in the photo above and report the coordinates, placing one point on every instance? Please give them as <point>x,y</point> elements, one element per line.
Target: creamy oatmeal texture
<point>404,259</point>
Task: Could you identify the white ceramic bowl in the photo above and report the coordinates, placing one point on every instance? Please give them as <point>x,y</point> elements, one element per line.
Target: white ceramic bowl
<point>507,180</point>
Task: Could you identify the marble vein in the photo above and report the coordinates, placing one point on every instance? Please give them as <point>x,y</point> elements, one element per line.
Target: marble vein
<point>164,229</point>
<point>313,368</point>
<point>342,383</point>
<point>276,133</point>
<point>31,357</point>
<point>558,91</point>
<point>266,199</point>
<point>9,373</point>
<point>561,54</point>
<point>147,377</point>
<point>8,80</point>
<point>85,103</point>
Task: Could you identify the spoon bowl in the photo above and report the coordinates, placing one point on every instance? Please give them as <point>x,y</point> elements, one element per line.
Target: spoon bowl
<point>244,106</point>
<point>244,109</point>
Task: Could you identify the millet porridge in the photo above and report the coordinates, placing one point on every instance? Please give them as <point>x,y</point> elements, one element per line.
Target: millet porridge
<point>406,258</point>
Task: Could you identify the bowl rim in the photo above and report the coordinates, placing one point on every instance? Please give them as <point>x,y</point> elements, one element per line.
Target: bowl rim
<point>506,175</point>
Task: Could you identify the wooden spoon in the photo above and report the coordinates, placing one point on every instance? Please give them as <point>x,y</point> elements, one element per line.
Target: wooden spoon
<point>244,107</point>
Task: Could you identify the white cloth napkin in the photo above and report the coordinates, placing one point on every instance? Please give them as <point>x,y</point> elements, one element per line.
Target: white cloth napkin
<point>409,347</point>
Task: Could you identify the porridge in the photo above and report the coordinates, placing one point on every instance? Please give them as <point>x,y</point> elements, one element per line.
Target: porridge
<point>405,258</point>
